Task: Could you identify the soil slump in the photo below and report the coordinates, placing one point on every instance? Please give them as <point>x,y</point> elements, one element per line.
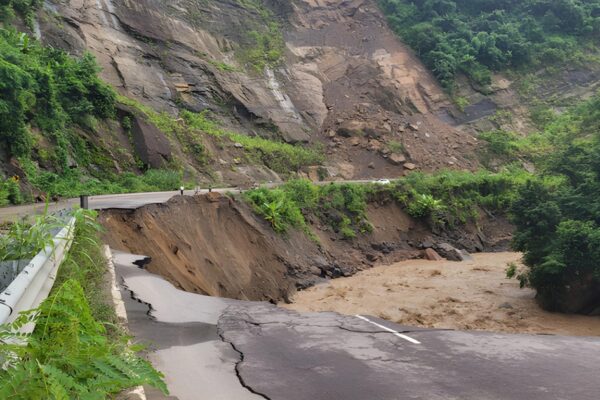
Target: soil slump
<point>208,245</point>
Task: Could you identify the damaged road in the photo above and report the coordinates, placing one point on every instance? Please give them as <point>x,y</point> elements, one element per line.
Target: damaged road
<point>212,348</point>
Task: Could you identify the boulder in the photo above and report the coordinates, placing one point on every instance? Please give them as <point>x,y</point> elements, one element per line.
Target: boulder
<point>397,159</point>
<point>151,145</point>
<point>432,255</point>
<point>451,253</point>
<point>410,166</point>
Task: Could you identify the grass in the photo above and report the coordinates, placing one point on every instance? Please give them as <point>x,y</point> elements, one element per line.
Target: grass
<point>281,157</point>
<point>73,183</point>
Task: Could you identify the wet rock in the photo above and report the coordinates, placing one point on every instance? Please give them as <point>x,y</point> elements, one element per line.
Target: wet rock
<point>385,248</point>
<point>432,255</point>
<point>450,252</point>
<point>426,244</point>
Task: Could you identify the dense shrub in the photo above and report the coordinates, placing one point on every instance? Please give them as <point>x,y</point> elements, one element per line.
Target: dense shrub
<point>558,224</point>
<point>477,37</point>
<point>45,87</point>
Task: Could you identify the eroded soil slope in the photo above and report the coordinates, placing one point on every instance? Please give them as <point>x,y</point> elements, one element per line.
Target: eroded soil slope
<point>215,245</point>
<point>441,294</point>
<point>208,245</point>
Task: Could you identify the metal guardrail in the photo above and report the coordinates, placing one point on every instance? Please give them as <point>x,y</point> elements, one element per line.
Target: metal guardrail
<point>35,281</point>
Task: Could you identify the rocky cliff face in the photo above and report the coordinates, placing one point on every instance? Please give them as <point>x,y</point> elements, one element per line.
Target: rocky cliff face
<point>344,79</point>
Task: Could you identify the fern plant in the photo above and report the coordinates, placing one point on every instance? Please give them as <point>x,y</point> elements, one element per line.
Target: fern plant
<point>68,356</point>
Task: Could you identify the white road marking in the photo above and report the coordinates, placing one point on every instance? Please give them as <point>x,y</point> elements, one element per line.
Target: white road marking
<point>400,335</point>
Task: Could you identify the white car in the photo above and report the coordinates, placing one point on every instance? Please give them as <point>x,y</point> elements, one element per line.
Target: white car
<point>383,182</point>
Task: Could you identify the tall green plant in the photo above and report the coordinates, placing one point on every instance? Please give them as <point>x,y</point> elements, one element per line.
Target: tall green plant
<point>68,356</point>
<point>24,239</point>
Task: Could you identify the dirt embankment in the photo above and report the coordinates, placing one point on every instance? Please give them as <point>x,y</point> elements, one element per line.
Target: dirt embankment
<point>442,294</point>
<point>217,246</point>
<point>209,245</point>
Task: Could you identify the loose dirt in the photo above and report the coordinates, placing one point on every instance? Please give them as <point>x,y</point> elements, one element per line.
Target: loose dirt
<point>472,295</point>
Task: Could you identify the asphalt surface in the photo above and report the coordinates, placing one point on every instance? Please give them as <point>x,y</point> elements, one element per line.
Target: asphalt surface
<point>126,201</point>
<point>123,201</point>
<point>212,348</point>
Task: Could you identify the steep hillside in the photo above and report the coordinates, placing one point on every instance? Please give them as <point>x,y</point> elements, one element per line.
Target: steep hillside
<point>327,72</point>
<point>507,63</point>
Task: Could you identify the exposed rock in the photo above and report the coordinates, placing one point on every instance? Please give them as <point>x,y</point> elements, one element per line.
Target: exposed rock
<point>397,159</point>
<point>151,145</point>
<point>451,253</point>
<point>432,255</point>
<point>238,145</point>
<point>375,145</point>
<point>355,141</point>
<point>410,166</point>
<point>351,128</point>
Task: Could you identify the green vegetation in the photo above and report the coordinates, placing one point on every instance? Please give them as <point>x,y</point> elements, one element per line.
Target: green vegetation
<point>558,223</point>
<point>478,37</point>
<point>341,206</point>
<point>24,8</point>
<point>281,157</point>
<point>24,240</point>
<point>222,66</point>
<point>10,192</point>
<point>445,199</point>
<point>454,197</point>
<point>73,183</point>
<point>70,354</point>
<point>266,45</point>
<point>45,88</point>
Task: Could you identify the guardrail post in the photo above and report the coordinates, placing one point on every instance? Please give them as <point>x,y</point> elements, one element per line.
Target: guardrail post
<point>84,201</point>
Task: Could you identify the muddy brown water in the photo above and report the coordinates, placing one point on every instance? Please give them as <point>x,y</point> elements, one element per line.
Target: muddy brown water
<point>473,295</point>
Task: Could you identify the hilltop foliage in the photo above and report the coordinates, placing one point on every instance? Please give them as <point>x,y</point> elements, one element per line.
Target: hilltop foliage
<point>477,37</point>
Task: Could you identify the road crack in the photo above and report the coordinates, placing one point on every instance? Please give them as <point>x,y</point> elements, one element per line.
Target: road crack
<point>238,373</point>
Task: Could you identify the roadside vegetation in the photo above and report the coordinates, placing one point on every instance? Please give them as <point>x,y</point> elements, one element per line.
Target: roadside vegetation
<point>76,349</point>
<point>476,38</point>
<point>446,200</point>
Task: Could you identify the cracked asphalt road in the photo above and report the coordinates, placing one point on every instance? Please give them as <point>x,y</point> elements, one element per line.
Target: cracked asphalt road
<point>215,349</point>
